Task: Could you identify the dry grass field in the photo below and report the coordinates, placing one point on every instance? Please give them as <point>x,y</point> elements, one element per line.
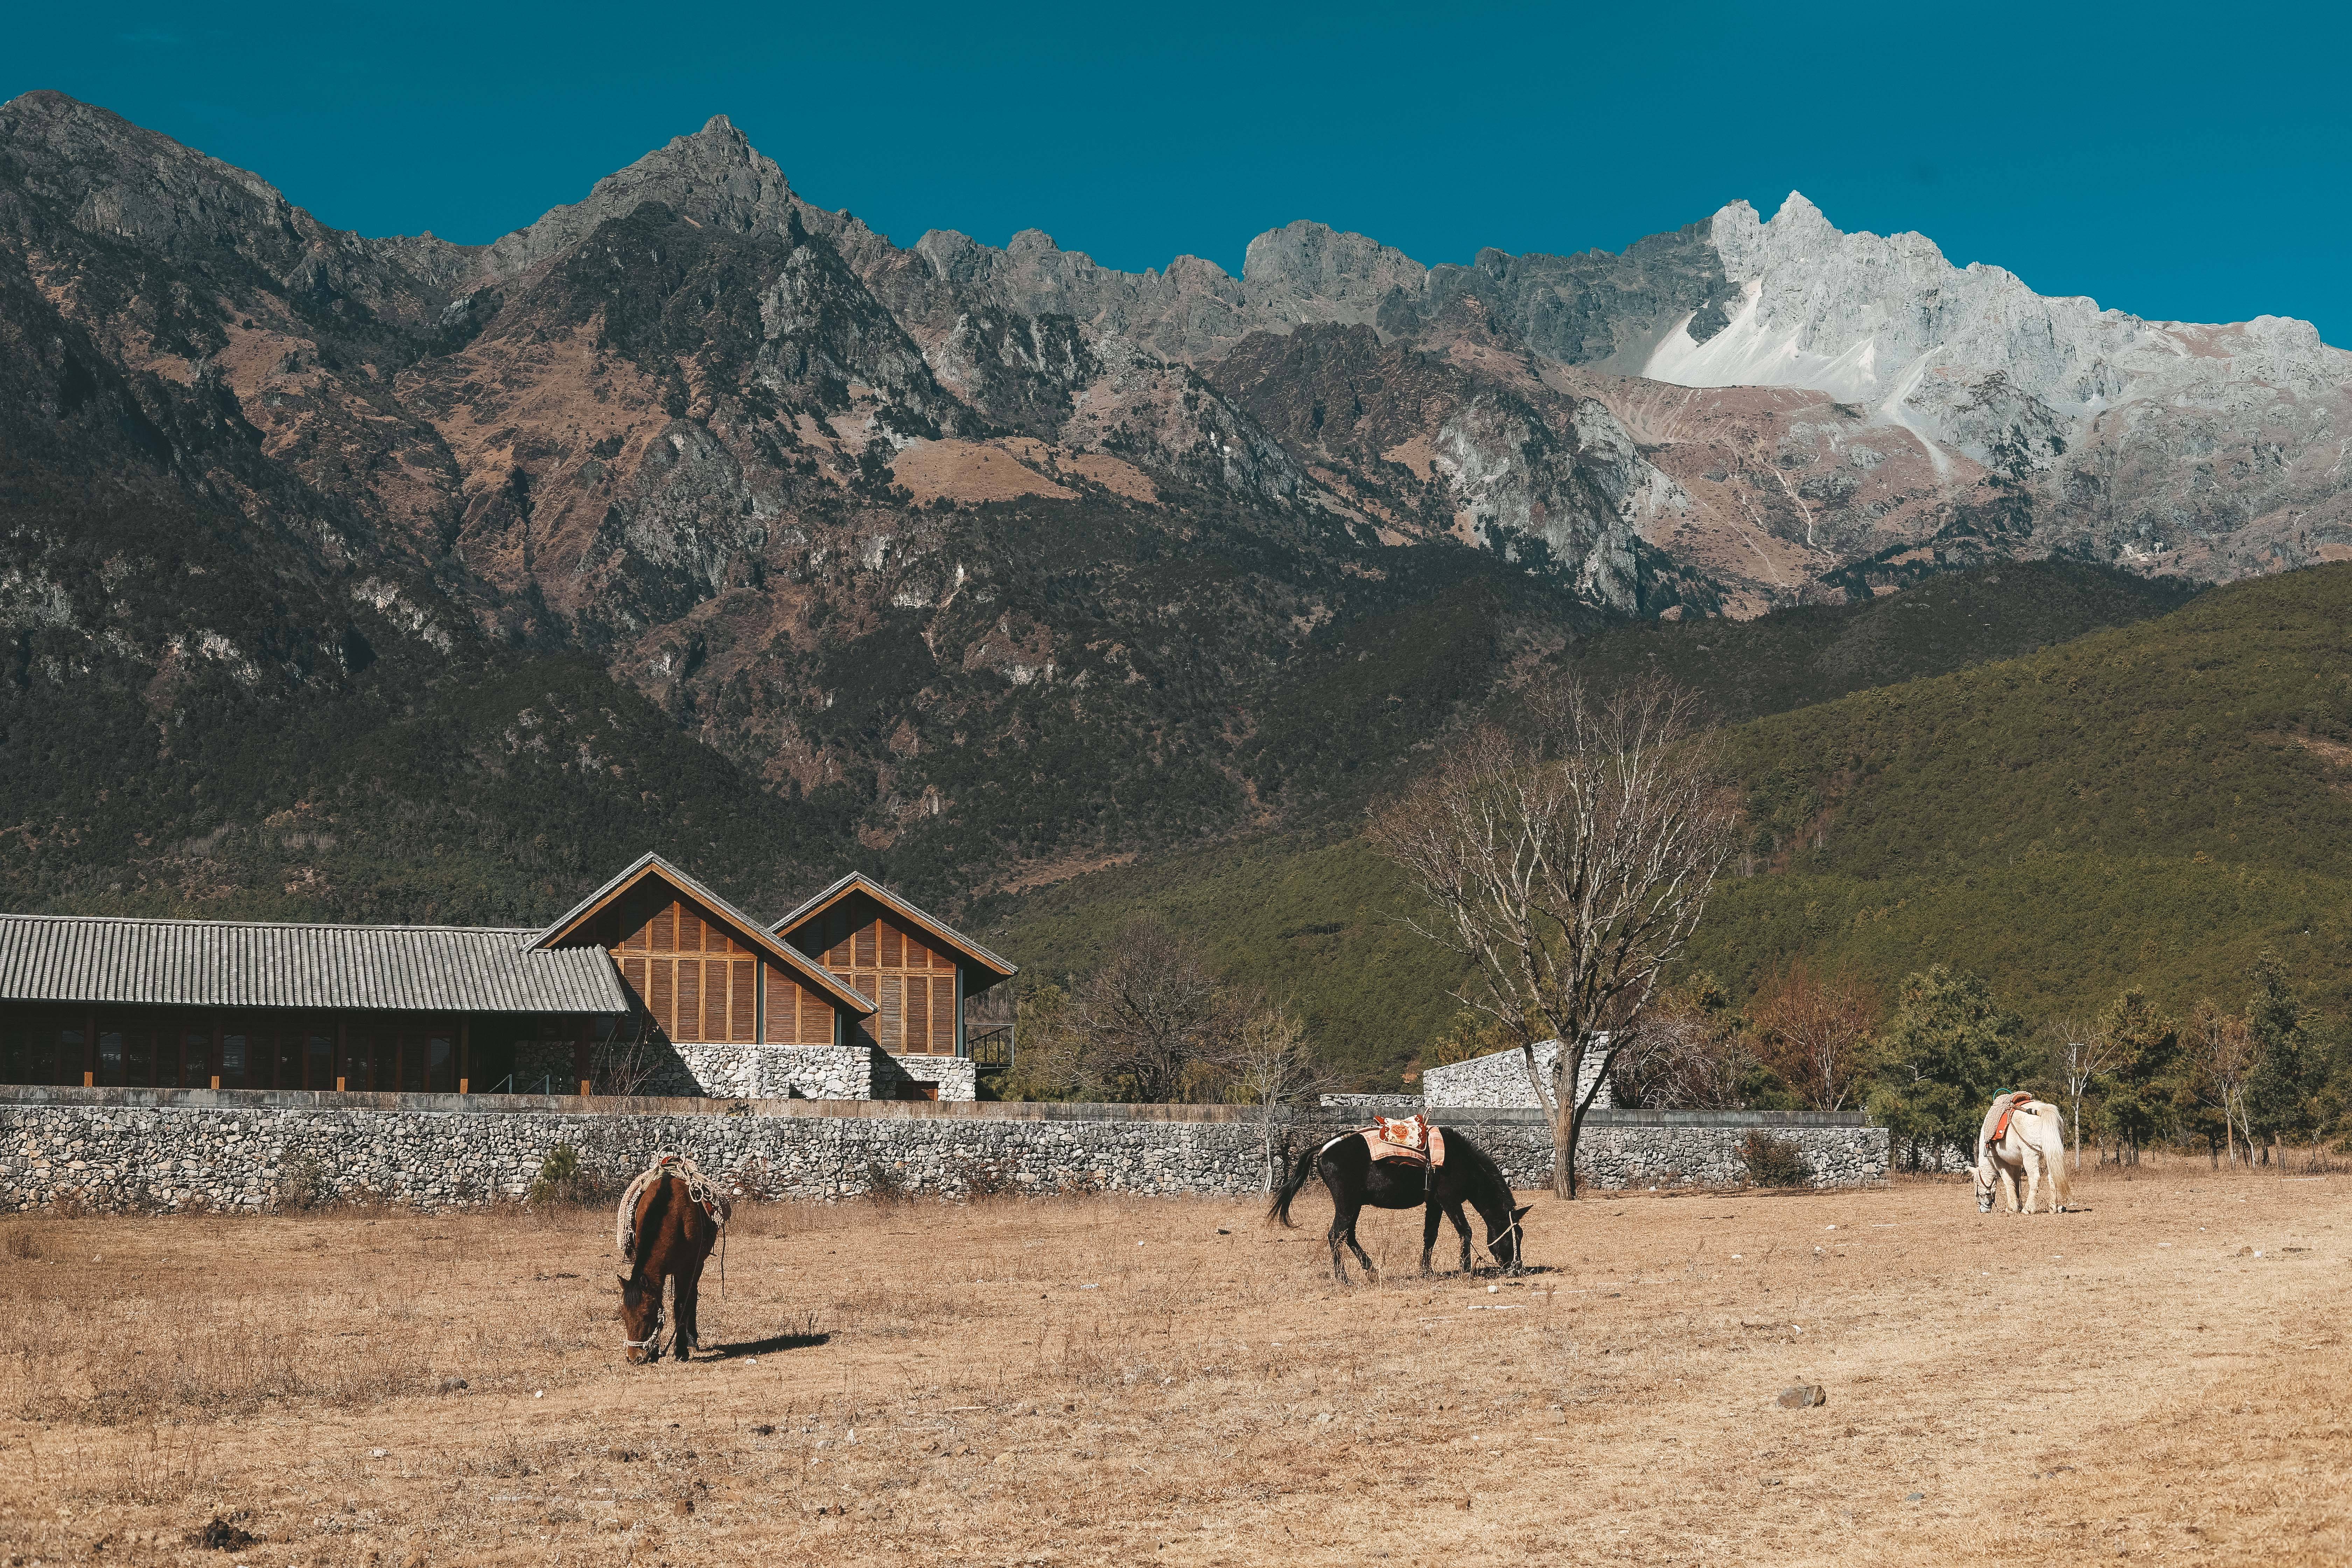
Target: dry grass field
<point>1095,1379</point>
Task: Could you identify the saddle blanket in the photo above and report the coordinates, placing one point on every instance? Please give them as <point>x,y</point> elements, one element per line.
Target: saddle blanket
<point>700,1188</point>
<point>1410,1139</point>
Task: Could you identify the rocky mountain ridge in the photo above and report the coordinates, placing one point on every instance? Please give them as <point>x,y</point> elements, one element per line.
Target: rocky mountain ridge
<point>994,556</point>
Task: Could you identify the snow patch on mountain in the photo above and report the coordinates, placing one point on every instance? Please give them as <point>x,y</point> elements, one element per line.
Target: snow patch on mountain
<point>1888,324</point>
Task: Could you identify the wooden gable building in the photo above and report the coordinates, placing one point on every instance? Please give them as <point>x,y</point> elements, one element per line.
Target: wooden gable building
<point>702,971</point>
<point>914,971</point>
<point>856,993</point>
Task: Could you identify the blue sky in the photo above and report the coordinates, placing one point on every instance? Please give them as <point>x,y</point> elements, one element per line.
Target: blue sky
<point>2171,162</point>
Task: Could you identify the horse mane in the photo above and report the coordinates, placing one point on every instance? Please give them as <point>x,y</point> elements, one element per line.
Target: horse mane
<point>654,1195</point>
<point>1459,1149</point>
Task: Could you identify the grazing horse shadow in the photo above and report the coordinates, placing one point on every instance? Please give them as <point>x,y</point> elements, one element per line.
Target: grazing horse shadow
<point>768,1346</point>
<point>1356,1180</point>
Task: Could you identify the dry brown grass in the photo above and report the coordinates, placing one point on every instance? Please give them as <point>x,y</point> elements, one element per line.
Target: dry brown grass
<point>1019,1382</point>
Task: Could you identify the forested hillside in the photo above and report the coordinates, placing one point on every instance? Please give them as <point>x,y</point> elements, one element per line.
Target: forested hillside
<point>1314,915</point>
<point>2147,806</point>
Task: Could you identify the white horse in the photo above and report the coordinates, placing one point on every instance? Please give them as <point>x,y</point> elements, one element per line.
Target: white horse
<point>2033,1143</point>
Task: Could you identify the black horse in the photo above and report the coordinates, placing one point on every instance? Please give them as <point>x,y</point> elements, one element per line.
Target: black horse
<point>1354,1179</point>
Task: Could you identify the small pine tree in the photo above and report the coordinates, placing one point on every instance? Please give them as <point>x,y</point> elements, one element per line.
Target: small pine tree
<point>2279,1091</point>
<point>1948,1051</point>
<point>2137,1105</point>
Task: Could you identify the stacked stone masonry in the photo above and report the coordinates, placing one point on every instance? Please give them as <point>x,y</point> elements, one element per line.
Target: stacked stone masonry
<point>810,1072</point>
<point>1499,1079</point>
<point>158,1149</point>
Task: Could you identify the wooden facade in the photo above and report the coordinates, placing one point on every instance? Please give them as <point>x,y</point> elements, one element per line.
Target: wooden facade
<point>115,1047</point>
<point>906,972</point>
<point>703,972</point>
<point>916,970</point>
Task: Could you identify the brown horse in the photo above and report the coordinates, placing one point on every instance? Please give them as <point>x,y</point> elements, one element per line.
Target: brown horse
<point>667,1232</point>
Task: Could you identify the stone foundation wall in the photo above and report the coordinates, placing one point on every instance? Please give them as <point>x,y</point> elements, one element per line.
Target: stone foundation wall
<point>124,1149</point>
<point>1499,1079</point>
<point>957,1078</point>
<point>802,1072</point>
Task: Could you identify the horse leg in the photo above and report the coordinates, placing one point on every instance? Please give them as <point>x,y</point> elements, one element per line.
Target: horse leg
<point>689,1296</point>
<point>1371,1275</point>
<point>2033,1181</point>
<point>1462,1229</point>
<point>1429,1215</point>
<point>1343,1225</point>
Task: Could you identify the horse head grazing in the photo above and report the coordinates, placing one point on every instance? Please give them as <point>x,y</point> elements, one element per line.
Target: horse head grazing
<point>641,1320</point>
<point>1504,1241</point>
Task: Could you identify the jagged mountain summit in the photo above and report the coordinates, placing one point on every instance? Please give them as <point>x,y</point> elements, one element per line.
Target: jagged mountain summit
<point>2210,451</point>
<point>1956,409</point>
<point>1000,550</point>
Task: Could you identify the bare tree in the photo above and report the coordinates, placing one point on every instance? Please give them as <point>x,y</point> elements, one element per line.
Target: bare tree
<point>2085,1053</point>
<point>1569,868</point>
<point>1684,1055</point>
<point>1051,1062</point>
<point>1815,1030</point>
<point>1268,1065</point>
<point>2225,1056</point>
<point>625,1063</point>
<point>1153,1015</point>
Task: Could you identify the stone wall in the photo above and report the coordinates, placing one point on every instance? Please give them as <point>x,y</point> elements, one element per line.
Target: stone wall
<point>1499,1079</point>
<point>957,1077</point>
<point>1370,1105</point>
<point>168,1149</point>
<point>1674,1148</point>
<point>802,1072</point>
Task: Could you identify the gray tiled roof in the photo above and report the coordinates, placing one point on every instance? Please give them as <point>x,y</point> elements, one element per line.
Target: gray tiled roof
<point>255,963</point>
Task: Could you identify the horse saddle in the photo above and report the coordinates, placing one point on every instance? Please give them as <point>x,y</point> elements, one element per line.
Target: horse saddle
<point>2016,1103</point>
<point>1410,1139</point>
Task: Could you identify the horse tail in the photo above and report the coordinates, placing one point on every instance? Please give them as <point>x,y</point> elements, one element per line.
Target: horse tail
<point>2057,1160</point>
<point>1280,1208</point>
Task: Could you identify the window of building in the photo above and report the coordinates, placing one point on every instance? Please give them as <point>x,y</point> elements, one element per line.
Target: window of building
<point>195,1057</point>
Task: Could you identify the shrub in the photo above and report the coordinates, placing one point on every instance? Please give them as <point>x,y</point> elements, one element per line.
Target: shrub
<point>884,1185</point>
<point>981,1180</point>
<point>303,1184</point>
<point>562,1178</point>
<point>1774,1161</point>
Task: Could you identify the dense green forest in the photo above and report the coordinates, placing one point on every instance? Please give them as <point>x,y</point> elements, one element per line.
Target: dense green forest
<point>2138,835</point>
<point>1312,914</point>
<point>2149,807</point>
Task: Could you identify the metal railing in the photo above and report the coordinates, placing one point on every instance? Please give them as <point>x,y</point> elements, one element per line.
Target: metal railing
<point>991,1049</point>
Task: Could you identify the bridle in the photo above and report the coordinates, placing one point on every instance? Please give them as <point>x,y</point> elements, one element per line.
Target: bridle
<point>1510,1230</point>
<point>651,1343</point>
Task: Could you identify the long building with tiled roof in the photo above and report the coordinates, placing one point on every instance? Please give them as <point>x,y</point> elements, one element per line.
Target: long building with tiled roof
<point>651,967</point>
